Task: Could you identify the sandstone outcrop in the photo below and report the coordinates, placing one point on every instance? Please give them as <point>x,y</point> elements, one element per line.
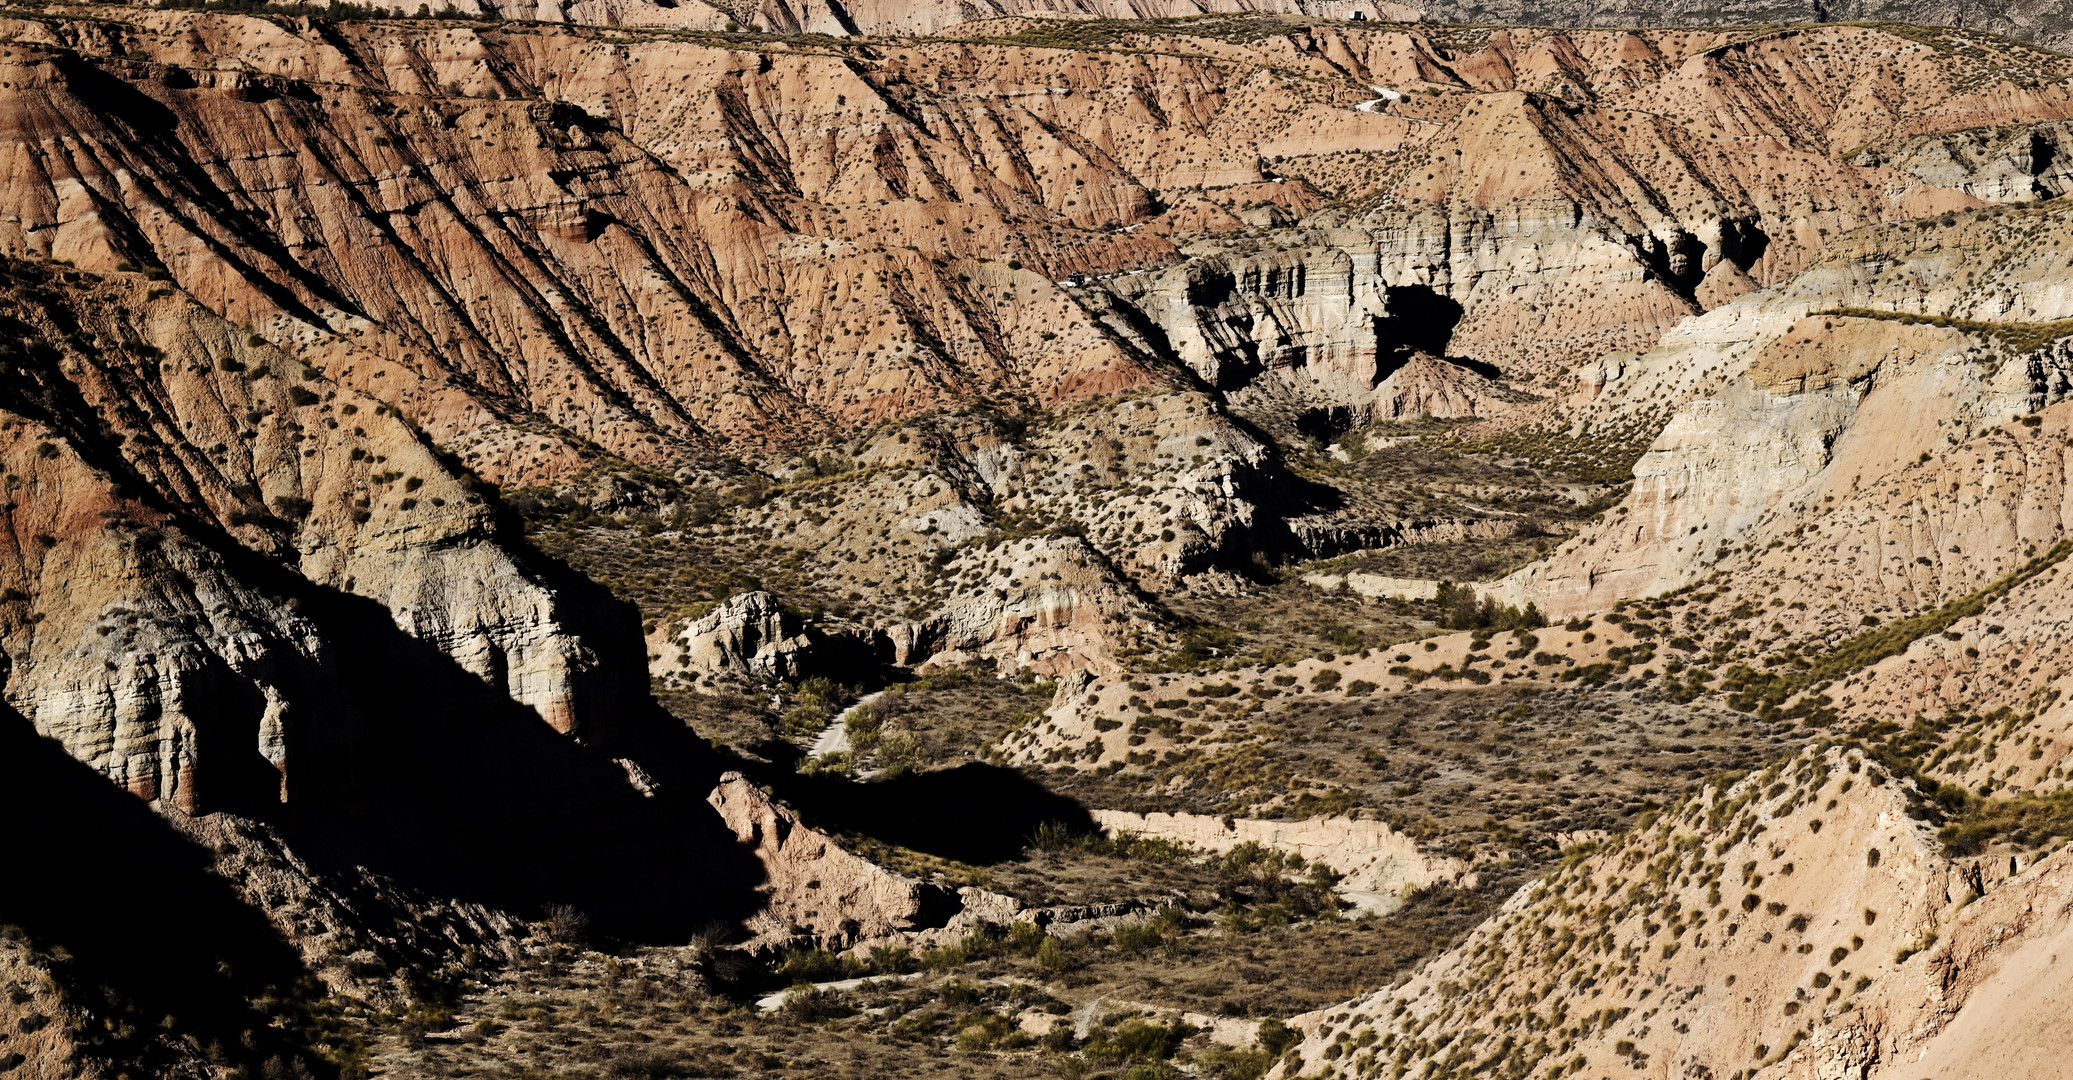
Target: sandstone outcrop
<point>2038,21</point>
<point>1531,238</point>
<point>1988,996</point>
<point>232,586</point>
<point>753,637</point>
<point>811,885</point>
<point>154,454</point>
<point>1800,421</point>
<point>980,325</point>
<point>898,18</point>
<point>984,911</point>
<point>1309,331</point>
<point>1067,615</point>
<point>1992,165</point>
<point>2035,20</point>
<point>1376,586</point>
<point>1025,540</point>
<point>125,946</point>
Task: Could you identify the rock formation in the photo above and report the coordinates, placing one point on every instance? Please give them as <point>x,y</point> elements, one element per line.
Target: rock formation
<point>814,886</point>
<point>1992,973</point>
<point>194,514</point>
<point>2037,21</point>
<point>988,344</point>
<point>1306,333</point>
<point>1803,420</point>
<point>682,271</point>
<point>2030,19</point>
<point>753,637</point>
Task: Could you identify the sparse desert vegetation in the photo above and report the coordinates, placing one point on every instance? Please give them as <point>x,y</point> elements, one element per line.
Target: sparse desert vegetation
<point>779,541</point>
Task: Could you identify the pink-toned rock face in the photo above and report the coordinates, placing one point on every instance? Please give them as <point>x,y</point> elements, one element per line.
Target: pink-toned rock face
<point>281,294</point>
<point>538,240</point>
<point>813,884</point>
<point>1991,996</point>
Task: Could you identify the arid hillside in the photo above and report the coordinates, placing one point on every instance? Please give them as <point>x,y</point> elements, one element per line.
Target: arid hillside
<point>1101,540</point>
<point>546,243</point>
<point>2032,20</point>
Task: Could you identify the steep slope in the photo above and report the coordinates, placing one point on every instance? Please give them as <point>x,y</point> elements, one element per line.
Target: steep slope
<point>137,528</point>
<point>2034,20</point>
<point>1990,996</point>
<point>1643,954</point>
<point>1574,197</point>
<point>893,18</point>
<point>1857,423</point>
<point>1027,351</point>
<point>127,952</point>
<point>233,586</point>
<point>1857,524</point>
<point>564,241</point>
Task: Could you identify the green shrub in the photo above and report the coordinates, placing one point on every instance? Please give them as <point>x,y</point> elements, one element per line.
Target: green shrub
<point>1024,939</point>
<point>1137,1040</point>
<point>945,958</point>
<point>810,965</point>
<point>1135,938</point>
<point>892,959</point>
<point>985,1030</point>
<point>1055,957</point>
<point>1462,609</point>
<point>958,992</point>
<point>864,726</point>
<point>809,1005</point>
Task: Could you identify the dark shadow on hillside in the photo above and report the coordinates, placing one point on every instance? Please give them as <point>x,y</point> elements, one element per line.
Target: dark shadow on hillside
<point>1327,424</point>
<point>398,759</point>
<point>976,813</point>
<point>151,931</point>
<point>1419,318</point>
<point>456,789</point>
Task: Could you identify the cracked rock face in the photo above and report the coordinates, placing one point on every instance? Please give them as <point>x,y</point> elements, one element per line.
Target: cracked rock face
<point>1307,332</point>
<point>536,241</point>
<point>1031,295</point>
<point>750,634</point>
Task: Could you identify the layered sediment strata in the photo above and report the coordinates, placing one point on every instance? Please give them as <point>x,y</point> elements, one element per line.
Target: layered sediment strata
<point>540,244</point>
<point>197,517</point>
<point>1842,404</point>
